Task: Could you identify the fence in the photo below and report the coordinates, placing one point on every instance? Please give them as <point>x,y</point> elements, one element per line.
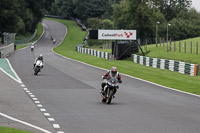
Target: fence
<point>184,47</point>
<point>191,47</point>
<point>93,52</point>
<point>172,65</point>
<point>8,38</point>
<point>26,39</point>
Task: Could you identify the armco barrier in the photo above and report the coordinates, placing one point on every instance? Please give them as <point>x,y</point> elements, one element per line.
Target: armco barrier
<point>172,65</point>
<point>93,52</point>
<point>26,39</point>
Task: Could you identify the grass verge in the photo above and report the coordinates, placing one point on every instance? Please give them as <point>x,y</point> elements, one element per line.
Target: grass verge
<point>20,47</point>
<point>161,52</point>
<point>11,130</point>
<point>163,77</point>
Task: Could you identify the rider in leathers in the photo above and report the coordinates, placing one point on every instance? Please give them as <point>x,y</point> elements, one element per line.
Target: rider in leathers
<point>38,58</point>
<point>111,73</point>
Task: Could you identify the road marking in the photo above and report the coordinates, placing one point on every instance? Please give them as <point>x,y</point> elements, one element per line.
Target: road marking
<point>43,110</point>
<point>37,101</point>
<point>9,75</point>
<point>25,123</point>
<point>46,114</point>
<point>23,85</point>
<point>51,119</point>
<point>19,80</point>
<point>60,132</point>
<point>56,125</point>
<point>26,89</point>
<point>34,99</point>
<point>39,105</point>
<point>32,95</point>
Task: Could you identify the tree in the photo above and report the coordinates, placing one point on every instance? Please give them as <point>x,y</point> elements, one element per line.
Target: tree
<point>185,25</point>
<point>137,15</point>
<point>121,14</point>
<point>9,22</point>
<point>21,16</point>
<point>170,8</point>
<point>107,24</point>
<point>94,23</point>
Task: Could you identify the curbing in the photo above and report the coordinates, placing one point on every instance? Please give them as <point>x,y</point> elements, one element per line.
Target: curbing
<point>172,65</point>
<point>92,52</point>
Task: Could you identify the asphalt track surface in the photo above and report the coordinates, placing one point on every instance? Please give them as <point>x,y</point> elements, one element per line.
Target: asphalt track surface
<point>69,90</point>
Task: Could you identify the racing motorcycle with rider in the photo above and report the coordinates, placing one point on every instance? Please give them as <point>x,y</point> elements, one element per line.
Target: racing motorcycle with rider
<point>110,84</point>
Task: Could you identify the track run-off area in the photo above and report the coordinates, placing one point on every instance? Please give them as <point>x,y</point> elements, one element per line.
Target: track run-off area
<point>64,97</point>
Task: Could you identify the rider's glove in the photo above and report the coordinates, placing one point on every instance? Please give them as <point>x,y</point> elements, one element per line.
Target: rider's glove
<point>104,77</point>
<point>120,81</point>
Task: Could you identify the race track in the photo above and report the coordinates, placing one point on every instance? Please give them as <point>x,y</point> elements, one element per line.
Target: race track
<point>69,91</point>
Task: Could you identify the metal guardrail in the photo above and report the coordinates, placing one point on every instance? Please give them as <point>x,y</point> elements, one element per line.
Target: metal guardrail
<point>172,65</point>
<point>26,39</point>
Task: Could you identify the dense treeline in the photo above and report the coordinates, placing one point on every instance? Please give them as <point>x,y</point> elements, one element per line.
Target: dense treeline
<point>22,16</point>
<point>141,15</point>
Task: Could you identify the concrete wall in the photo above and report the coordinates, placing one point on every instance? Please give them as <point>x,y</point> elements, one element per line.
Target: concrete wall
<point>6,50</point>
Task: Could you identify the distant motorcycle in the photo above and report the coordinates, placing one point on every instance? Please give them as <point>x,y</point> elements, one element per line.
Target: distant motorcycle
<point>110,89</point>
<point>54,41</point>
<point>38,67</point>
<point>32,48</point>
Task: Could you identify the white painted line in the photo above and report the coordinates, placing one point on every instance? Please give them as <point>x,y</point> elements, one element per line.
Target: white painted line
<point>39,105</point>
<point>56,125</point>
<point>34,99</point>
<point>131,76</point>
<point>9,75</point>
<point>60,132</point>
<point>162,86</point>
<point>25,123</point>
<point>46,114</point>
<point>43,110</point>
<point>37,101</point>
<point>32,95</point>
<point>19,80</point>
<point>26,89</point>
<point>51,119</point>
<point>23,85</point>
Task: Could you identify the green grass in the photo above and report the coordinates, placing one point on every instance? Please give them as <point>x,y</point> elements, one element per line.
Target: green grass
<point>20,47</point>
<point>39,33</point>
<point>20,37</point>
<point>104,50</point>
<point>164,77</point>
<point>161,52</point>
<point>11,130</point>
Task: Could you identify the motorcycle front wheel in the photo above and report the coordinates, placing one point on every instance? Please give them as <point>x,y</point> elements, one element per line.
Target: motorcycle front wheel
<point>109,98</point>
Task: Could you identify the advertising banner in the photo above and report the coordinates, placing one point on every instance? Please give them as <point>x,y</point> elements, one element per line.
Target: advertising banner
<point>117,34</point>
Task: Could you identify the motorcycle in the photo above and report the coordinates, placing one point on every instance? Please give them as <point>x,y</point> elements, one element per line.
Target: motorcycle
<point>54,41</point>
<point>109,90</point>
<point>32,48</point>
<point>38,67</point>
